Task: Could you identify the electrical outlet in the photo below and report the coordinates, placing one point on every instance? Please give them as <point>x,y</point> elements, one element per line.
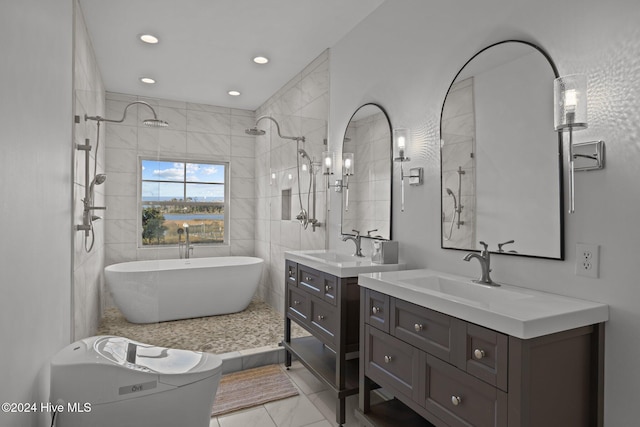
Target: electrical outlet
<point>587,260</point>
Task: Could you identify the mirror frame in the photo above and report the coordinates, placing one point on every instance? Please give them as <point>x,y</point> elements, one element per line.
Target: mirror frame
<point>561,256</point>
<point>390,172</point>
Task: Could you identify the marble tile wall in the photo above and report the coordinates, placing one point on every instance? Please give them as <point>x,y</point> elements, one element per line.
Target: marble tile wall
<point>301,107</point>
<point>458,146</point>
<point>196,132</point>
<point>89,98</point>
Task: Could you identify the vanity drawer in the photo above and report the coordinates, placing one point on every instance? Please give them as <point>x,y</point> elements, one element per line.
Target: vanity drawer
<point>426,329</point>
<point>392,363</point>
<point>330,288</point>
<point>486,355</point>
<point>297,304</point>
<point>291,272</point>
<point>311,280</point>
<point>324,320</point>
<point>459,399</point>
<point>377,310</point>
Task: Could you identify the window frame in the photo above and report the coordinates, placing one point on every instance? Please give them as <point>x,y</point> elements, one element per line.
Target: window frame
<point>185,182</point>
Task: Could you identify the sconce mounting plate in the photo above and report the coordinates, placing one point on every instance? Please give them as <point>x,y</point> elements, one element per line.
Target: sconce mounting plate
<point>588,156</point>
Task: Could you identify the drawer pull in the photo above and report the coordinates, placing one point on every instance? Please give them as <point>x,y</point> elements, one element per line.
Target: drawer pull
<point>478,353</point>
<point>418,327</point>
<point>388,359</point>
<point>308,279</point>
<point>328,288</point>
<point>296,302</point>
<point>320,317</point>
<point>376,310</point>
<point>456,400</point>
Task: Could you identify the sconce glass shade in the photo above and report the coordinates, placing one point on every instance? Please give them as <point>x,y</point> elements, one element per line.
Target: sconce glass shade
<point>401,141</point>
<point>570,102</point>
<point>328,162</point>
<point>347,164</point>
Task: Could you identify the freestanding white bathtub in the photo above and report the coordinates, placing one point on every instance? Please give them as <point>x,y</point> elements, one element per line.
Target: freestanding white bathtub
<point>171,289</point>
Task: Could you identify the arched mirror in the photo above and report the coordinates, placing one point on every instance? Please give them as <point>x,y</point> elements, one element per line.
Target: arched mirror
<point>366,205</point>
<point>501,168</point>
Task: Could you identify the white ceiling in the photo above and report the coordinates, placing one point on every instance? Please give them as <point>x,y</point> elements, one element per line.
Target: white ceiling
<point>206,46</point>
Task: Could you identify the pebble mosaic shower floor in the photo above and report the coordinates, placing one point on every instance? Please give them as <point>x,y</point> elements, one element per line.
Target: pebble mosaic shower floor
<point>257,326</point>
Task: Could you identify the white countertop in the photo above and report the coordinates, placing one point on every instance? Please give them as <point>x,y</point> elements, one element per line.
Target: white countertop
<point>519,312</point>
<point>338,264</point>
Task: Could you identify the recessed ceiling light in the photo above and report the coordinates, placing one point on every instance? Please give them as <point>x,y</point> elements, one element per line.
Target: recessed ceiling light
<point>148,38</point>
<point>234,93</point>
<point>147,80</point>
<point>260,60</point>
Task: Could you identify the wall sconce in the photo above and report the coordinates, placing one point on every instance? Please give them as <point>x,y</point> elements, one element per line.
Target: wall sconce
<point>569,113</point>
<point>348,164</point>
<point>401,139</point>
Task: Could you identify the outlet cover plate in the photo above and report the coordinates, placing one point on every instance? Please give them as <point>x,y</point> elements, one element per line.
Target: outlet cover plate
<point>587,260</point>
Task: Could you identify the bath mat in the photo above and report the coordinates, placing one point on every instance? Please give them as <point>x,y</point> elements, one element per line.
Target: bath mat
<point>253,387</point>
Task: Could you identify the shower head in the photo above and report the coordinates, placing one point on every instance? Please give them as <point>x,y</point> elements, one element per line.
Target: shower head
<point>155,122</point>
<point>99,179</point>
<point>254,131</point>
<point>449,192</point>
<point>303,154</point>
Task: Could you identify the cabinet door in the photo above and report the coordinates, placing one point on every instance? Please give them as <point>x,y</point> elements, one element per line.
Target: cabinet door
<point>311,280</point>
<point>426,329</point>
<point>324,320</point>
<point>459,399</point>
<point>486,354</point>
<point>377,306</point>
<point>392,363</point>
<point>291,272</point>
<point>297,304</point>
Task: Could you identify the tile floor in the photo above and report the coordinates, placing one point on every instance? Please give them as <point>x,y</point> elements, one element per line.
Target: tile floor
<point>313,407</point>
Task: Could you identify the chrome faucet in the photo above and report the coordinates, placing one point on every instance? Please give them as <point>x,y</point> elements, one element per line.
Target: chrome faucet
<point>485,263</point>
<point>357,239</point>
<point>188,249</point>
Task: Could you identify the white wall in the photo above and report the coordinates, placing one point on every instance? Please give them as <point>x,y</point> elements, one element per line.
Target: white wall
<point>35,186</point>
<point>405,54</point>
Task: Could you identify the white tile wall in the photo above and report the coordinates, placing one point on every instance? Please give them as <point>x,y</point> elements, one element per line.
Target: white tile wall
<point>89,97</point>
<point>301,108</point>
<point>196,132</point>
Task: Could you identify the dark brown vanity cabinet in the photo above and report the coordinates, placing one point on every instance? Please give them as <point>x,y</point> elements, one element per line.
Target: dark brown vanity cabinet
<point>444,371</point>
<point>328,307</point>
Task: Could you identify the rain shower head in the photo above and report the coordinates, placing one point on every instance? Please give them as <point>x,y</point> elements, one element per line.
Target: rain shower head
<point>155,122</point>
<point>254,131</point>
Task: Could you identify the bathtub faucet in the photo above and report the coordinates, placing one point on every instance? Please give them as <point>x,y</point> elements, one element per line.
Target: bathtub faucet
<point>184,249</point>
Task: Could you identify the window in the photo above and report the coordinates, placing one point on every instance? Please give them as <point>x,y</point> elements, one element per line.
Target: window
<point>175,193</point>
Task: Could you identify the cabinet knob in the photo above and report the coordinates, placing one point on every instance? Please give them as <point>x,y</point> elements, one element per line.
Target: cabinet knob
<point>418,327</point>
<point>320,317</point>
<point>328,288</point>
<point>376,310</point>
<point>308,279</point>
<point>478,353</point>
<point>456,400</point>
<point>388,359</point>
<point>296,302</point>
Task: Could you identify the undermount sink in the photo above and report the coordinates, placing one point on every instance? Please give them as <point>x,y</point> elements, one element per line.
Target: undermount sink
<point>520,312</point>
<point>338,264</point>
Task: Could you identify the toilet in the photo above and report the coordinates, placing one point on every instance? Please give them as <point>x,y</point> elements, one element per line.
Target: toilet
<point>114,381</point>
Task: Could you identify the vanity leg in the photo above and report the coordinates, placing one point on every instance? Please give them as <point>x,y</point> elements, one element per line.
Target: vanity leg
<point>287,339</point>
<point>340,411</point>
